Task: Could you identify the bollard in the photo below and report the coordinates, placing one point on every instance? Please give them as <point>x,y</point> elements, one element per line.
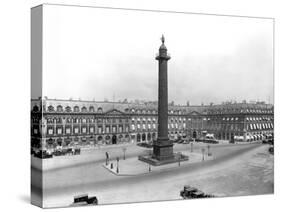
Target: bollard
<point>111,166</point>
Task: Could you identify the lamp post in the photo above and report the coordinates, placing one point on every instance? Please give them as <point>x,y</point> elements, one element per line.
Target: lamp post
<point>117,169</point>
<point>124,153</point>
<point>208,148</point>
<point>203,151</point>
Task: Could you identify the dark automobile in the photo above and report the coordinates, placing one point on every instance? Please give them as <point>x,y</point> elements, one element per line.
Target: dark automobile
<point>42,154</point>
<point>189,192</point>
<point>197,194</point>
<point>84,199</point>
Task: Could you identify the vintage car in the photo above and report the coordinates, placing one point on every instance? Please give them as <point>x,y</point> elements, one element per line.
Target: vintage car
<point>84,199</point>
<point>197,194</point>
<point>187,191</point>
<point>42,154</point>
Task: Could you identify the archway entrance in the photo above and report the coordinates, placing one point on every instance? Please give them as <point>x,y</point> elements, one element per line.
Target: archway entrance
<point>194,134</point>
<point>138,137</point>
<point>143,137</point>
<point>114,139</point>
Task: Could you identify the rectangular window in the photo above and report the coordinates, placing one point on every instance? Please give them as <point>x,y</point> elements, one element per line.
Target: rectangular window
<point>59,131</point>
<point>84,130</point>
<point>67,130</point>
<point>91,129</point>
<point>76,130</point>
<point>35,131</point>
<point>50,131</point>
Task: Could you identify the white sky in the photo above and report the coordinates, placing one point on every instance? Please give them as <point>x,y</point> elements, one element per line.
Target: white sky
<point>97,53</point>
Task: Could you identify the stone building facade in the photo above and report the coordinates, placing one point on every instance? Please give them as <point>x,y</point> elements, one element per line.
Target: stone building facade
<point>57,122</point>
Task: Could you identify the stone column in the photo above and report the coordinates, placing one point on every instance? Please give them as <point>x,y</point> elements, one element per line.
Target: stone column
<point>163,147</point>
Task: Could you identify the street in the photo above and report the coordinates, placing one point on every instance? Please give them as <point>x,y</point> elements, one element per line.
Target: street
<point>242,169</point>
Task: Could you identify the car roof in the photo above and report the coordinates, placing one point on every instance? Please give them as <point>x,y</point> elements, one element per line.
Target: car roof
<point>81,195</point>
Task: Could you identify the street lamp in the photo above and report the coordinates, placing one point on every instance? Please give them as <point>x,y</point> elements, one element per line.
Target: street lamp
<point>203,151</point>
<point>117,169</point>
<point>208,147</point>
<point>124,153</point>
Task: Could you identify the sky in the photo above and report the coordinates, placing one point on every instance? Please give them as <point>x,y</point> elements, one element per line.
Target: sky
<point>93,53</point>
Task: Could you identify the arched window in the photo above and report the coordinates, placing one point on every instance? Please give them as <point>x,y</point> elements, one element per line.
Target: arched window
<point>84,109</point>
<point>68,109</point>
<point>100,110</point>
<point>50,108</point>
<point>35,108</point>
<point>92,109</point>
<point>76,109</point>
<point>59,108</point>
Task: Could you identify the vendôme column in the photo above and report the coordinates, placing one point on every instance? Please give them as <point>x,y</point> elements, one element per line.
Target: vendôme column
<point>163,147</point>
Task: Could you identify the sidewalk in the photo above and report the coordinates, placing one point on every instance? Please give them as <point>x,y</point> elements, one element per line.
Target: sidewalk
<point>134,167</point>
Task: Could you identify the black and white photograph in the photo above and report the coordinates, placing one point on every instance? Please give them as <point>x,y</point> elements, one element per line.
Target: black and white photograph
<point>133,105</point>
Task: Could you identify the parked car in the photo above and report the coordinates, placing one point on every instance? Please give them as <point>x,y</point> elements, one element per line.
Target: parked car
<point>189,192</point>
<point>42,154</point>
<point>84,199</point>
